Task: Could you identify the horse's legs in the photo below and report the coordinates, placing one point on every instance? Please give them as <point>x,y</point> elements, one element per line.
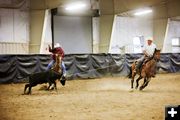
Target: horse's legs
<point>137,81</point>
<point>55,84</point>
<point>132,81</point>
<point>147,81</point>
<point>133,76</point>
<point>142,86</point>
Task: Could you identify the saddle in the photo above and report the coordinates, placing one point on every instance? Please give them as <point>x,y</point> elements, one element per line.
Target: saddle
<point>139,64</point>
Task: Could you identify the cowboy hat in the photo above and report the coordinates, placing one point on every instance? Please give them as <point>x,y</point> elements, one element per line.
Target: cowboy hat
<point>57,45</point>
<point>149,39</point>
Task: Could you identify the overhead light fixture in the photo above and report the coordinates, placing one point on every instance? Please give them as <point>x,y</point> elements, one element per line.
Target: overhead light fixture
<point>75,6</point>
<point>143,12</point>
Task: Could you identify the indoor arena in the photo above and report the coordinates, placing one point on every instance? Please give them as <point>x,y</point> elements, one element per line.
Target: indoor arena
<point>89,59</point>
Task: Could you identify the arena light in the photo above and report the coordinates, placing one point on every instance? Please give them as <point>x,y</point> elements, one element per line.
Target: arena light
<point>143,12</point>
<point>75,6</point>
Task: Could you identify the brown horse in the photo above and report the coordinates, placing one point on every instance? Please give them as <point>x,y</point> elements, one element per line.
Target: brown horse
<point>147,71</point>
<point>57,67</point>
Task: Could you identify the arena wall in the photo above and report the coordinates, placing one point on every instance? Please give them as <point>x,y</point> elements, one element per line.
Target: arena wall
<point>15,68</point>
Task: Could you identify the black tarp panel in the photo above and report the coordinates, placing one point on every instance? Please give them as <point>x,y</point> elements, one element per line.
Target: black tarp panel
<point>175,62</point>
<point>15,67</point>
<point>116,64</point>
<point>7,68</point>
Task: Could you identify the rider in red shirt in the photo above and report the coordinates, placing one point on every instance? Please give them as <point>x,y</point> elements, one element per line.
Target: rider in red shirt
<point>57,50</point>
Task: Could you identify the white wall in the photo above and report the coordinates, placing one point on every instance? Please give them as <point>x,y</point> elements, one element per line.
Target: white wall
<point>14,48</point>
<point>46,38</point>
<point>173,31</point>
<point>125,29</point>
<point>47,34</point>
<point>96,37</point>
<point>73,33</point>
<point>14,28</point>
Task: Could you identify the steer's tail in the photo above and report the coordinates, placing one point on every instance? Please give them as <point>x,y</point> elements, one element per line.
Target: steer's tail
<point>23,78</point>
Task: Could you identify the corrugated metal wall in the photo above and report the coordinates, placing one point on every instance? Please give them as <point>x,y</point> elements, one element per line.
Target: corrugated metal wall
<point>14,30</point>
<point>14,48</point>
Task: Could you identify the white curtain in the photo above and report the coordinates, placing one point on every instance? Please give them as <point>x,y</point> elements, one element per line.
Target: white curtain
<point>46,34</point>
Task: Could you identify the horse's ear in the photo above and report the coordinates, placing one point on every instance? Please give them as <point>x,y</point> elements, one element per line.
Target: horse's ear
<point>157,49</point>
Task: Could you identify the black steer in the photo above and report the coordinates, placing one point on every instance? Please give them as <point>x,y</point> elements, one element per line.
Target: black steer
<point>49,76</point>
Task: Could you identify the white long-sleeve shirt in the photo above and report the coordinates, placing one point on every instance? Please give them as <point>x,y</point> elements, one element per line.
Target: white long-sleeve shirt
<point>149,49</point>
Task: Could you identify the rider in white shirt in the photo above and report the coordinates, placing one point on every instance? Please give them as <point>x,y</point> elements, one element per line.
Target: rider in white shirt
<point>148,51</point>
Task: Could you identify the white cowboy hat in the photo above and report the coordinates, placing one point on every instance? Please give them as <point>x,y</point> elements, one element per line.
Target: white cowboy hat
<point>149,38</point>
<point>57,45</point>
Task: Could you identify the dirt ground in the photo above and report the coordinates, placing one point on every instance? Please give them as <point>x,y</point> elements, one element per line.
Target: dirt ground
<point>107,98</point>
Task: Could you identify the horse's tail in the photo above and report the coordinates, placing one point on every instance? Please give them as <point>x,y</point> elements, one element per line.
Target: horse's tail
<point>130,74</point>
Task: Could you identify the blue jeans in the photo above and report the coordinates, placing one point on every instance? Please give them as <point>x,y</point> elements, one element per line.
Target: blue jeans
<point>140,62</point>
<point>62,65</point>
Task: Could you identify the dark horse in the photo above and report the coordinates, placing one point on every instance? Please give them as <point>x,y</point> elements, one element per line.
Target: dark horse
<point>147,71</point>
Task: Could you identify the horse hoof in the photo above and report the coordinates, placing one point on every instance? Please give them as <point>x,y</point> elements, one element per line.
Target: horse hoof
<point>52,88</point>
<point>141,88</point>
<point>153,76</point>
<point>131,90</point>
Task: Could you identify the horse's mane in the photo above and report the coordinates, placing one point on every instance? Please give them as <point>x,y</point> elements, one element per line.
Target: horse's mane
<point>153,54</point>
<point>56,66</point>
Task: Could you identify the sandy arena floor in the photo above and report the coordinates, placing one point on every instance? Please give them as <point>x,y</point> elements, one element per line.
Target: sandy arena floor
<point>95,99</point>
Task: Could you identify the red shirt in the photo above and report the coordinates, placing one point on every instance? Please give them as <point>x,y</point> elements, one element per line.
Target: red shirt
<point>57,50</point>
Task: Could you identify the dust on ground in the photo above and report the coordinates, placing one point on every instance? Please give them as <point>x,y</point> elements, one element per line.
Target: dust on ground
<point>107,98</point>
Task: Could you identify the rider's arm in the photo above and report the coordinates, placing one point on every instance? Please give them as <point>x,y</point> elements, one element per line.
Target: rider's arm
<point>51,50</point>
<point>145,53</point>
<point>144,50</point>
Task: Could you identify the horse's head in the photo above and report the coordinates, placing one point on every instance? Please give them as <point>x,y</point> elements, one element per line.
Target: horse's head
<point>58,58</point>
<point>156,54</point>
<point>57,64</point>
